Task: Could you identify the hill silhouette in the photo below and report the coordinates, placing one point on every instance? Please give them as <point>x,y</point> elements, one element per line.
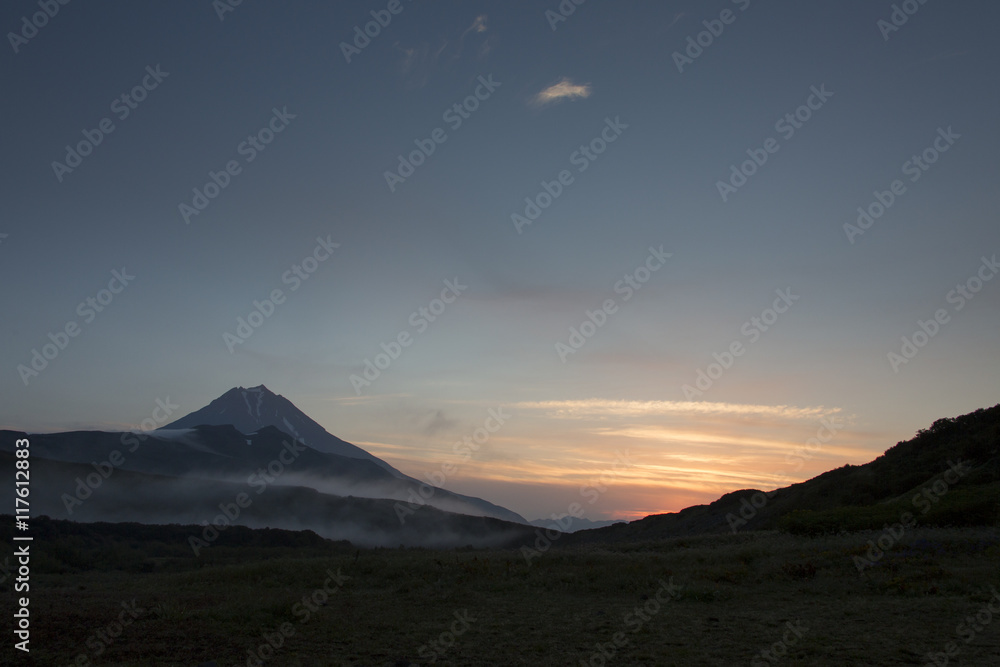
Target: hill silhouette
<point>951,470</point>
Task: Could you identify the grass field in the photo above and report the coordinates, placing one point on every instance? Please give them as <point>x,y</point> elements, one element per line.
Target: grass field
<point>721,600</point>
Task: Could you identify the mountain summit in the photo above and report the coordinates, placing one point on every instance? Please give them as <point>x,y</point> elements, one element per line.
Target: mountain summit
<point>254,411</point>
<point>251,409</point>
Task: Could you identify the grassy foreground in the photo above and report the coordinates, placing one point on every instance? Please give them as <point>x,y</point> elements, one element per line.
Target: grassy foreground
<point>719,600</point>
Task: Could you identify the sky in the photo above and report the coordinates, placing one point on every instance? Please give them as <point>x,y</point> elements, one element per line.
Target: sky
<point>680,248</point>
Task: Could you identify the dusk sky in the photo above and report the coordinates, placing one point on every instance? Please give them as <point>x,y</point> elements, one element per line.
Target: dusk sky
<point>591,210</point>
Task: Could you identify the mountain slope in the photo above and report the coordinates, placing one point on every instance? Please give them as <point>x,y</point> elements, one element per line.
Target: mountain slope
<point>127,496</point>
<point>576,524</point>
<point>267,457</point>
<point>250,409</point>
<point>952,469</point>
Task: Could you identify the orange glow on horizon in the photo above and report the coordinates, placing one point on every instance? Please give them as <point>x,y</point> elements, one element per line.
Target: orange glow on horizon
<point>651,457</point>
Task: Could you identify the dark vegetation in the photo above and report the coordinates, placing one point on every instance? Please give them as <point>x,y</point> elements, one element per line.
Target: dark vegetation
<point>733,597</point>
<point>862,497</point>
<point>861,588</point>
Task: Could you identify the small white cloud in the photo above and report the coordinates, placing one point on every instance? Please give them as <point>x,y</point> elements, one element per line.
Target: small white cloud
<point>563,90</point>
<point>479,25</point>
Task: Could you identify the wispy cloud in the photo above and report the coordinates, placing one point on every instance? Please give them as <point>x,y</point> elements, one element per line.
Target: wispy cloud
<point>478,25</point>
<point>599,407</point>
<point>563,90</point>
<point>418,63</point>
<point>721,445</point>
